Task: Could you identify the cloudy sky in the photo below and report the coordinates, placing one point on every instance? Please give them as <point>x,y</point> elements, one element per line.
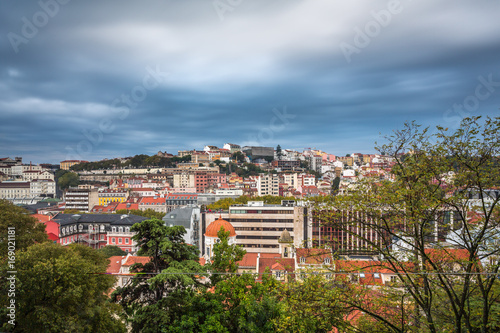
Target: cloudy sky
<point>92,80</point>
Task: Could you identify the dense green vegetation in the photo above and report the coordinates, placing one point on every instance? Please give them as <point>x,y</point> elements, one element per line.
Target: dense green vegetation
<point>268,199</point>
<point>242,170</point>
<point>66,179</point>
<point>138,161</point>
<point>112,250</point>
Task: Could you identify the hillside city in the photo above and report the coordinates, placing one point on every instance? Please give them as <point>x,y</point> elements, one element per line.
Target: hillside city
<point>365,235</point>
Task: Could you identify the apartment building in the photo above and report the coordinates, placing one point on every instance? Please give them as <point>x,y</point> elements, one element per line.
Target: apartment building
<point>268,184</point>
<point>259,226</point>
<point>176,200</point>
<point>14,190</point>
<point>82,198</point>
<point>154,203</point>
<point>112,195</point>
<point>98,230</point>
<point>43,188</point>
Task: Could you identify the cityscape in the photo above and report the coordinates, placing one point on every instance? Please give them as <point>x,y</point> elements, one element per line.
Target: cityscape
<point>250,166</point>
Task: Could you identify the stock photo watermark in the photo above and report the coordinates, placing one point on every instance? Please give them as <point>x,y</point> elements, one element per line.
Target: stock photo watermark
<point>224,6</point>
<point>121,108</point>
<point>31,26</point>
<point>277,124</point>
<point>364,36</point>
<point>11,275</point>
<point>484,90</point>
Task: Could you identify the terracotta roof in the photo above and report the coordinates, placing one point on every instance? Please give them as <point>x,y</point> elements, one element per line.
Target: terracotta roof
<point>249,260</point>
<point>146,200</point>
<point>279,264</point>
<point>136,260</point>
<point>115,263</point>
<point>214,227</point>
<point>42,218</point>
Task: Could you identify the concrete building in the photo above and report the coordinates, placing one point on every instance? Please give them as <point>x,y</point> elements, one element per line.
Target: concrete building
<point>268,184</point>
<point>81,198</point>
<point>255,153</point>
<point>189,218</point>
<point>177,200</point>
<point>260,226</point>
<point>184,179</point>
<point>43,188</point>
<point>15,190</point>
<point>315,162</point>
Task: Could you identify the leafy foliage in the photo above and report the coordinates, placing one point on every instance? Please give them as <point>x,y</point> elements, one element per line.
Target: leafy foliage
<point>27,229</point>
<point>68,179</point>
<point>112,250</point>
<point>154,298</point>
<point>138,161</point>
<point>440,182</point>
<point>63,289</point>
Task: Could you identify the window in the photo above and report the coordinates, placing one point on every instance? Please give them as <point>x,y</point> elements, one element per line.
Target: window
<point>120,229</point>
<point>362,275</point>
<point>113,240</point>
<point>393,279</point>
<point>302,260</point>
<point>102,237</point>
<point>113,229</point>
<point>376,275</point>
<point>126,240</point>
<point>119,240</point>
<point>278,274</point>
<point>327,261</point>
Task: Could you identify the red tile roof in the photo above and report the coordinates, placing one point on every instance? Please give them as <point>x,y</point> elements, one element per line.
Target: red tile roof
<point>115,263</point>
<point>249,260</point>
<point>136,260</point>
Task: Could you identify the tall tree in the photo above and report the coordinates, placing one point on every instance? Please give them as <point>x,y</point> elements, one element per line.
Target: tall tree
<point>154,297</point>
<point>63,289</point>
<point>443,189</point>
<point>22,228</point>
<point>279,152</point>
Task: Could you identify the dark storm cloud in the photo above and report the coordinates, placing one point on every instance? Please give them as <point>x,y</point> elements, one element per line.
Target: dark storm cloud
<point>226,80</point>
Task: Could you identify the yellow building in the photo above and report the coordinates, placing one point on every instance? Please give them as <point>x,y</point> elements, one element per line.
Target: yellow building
<point>112,195</point>
<point>65,165</point>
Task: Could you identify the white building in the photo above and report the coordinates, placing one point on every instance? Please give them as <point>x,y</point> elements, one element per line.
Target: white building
<point>268,185</point>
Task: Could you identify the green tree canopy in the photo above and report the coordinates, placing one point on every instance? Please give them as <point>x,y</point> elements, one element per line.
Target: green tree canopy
<point>69,179</point>
<point>112,250</point>
<point>441,198</point>
<point>23,228</point>
<point>154,298</point>
<point>63,289</point>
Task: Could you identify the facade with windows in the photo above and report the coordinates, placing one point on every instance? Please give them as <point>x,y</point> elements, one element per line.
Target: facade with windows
<point>258,226</point>
<point>98,230</point>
